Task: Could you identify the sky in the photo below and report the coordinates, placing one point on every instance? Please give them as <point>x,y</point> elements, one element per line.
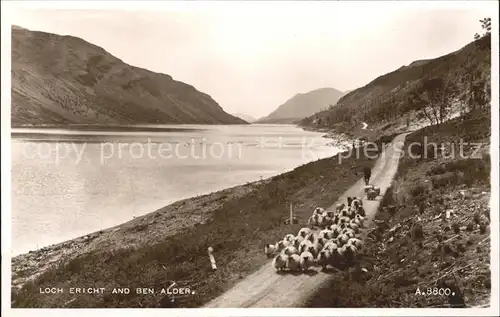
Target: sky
<point>253,56</point>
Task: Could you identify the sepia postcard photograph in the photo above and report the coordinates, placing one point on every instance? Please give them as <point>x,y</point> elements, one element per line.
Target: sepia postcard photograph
<point>179,157</point>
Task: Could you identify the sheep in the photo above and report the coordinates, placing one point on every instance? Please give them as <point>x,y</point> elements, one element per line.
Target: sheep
<point>349,201</point>
<point>361,211</point>
<point>342,239</point>
<point>306,261</point>
<point>340,207</point>
<point>356,203</point>
<point>360,219</point>
<point>343,219</point>
<point>312,221</point>
<point>270,250</point>
<point>281,245</point>
<point>356,242</point>
<point>326,221</point>
<point>358,199</point>
<point>280,262</point>
<point>289,250</point>
<point>330,246</point>
<point>296,242</point>
<point>323,258</point>
<point>335,229</point>
<point>350,252</point>
<point>314,248</point>
<point>326,233</point>
<point>318,211</point>
<point>321,241</point>
<point>304,232</point>
<point>353,226</point>
<point>344,212</point>
<point>304,245</point>
<point>293,263</point>
<point>311,237</point>
<point>289,237</point>
<point>349,232</point>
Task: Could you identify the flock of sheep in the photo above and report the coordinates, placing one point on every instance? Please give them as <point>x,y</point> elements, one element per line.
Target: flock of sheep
<point>335,243</point>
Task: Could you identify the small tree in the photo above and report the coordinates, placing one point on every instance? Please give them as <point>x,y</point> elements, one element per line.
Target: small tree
<point>486,26</point>
<point>434,96</point>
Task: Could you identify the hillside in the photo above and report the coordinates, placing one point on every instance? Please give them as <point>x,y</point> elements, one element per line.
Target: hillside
<point>63,80</point>
<point>303,105</point>
<point>394,101</point>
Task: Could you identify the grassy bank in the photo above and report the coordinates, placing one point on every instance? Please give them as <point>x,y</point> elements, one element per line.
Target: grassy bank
<point>432,231</point>
<point>171,244</point>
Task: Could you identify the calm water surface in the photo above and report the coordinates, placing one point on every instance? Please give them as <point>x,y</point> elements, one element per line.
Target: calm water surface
<point>68,183</point>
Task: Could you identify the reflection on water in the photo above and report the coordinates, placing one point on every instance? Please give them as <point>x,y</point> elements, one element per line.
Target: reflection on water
<point>69,183</point>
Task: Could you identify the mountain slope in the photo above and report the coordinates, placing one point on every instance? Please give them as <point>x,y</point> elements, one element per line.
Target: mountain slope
<point>303,105</point>
<point>388,101</point>
<point>63,79</point>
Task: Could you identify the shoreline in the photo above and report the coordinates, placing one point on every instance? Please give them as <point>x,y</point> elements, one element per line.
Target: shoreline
<point>26,266</point>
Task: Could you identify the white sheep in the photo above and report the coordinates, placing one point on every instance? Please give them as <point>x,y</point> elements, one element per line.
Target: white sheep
<point>270,250</point>
<point>296,242</point>
<point>318,211</point>
<point>360,219</point>
<point>281,245</point>
<point>323,258</point>
<point>306,261</point>
<point>330,246</point>
<point>356,203</point>
<point>361,211</point>
<point>326,221</point>
<point>280,262</point>
<point>323,233</point>
<point>293,263</point>
<point>349,232</point>
<point>311,237</point>
<point>342,239</point>
<point>356,242</point>
<point>304,245</point>
<point>289,237</point>
<point>353,226</point>
<point>314,248</point>
<point>335,229</point>
<point>289,250</point>
<point>304,232</point>
<point>350,252</point>
<point>340,207</point>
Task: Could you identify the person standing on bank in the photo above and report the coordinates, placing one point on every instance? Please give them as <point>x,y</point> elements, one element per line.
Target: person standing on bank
<point>367,173</point>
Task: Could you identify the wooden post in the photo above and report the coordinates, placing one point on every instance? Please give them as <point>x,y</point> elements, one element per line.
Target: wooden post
<point>291,213</point>
<point>212,259</point>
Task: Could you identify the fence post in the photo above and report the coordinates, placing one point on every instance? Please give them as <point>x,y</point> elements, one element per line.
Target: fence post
<point>212,259</point>
<point>291,213</point>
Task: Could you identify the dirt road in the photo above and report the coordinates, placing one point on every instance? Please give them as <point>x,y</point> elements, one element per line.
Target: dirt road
<point>267,288</point>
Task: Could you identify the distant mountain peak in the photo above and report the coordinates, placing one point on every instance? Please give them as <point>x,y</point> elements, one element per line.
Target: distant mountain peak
<point>304,104</point>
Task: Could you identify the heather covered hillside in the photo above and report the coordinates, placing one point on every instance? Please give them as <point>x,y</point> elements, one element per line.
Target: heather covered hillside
<point>429,91</point>
<point>63,80</point>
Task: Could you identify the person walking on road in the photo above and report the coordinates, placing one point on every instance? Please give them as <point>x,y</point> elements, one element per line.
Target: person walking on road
<point>367,174</point>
